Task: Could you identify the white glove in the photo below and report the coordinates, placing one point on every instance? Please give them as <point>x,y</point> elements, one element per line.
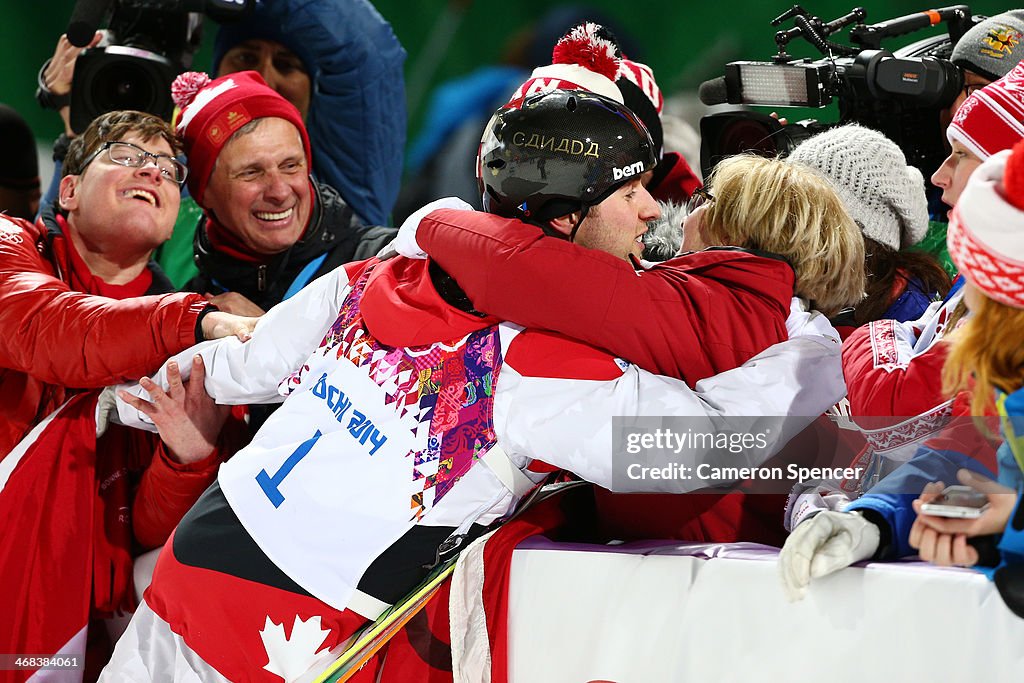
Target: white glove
<point>803,322</point>
<point>106,406</point>
<point>404,243</point>
<point>825,543</point>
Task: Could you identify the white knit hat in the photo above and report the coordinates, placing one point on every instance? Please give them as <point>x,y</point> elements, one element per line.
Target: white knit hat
<point>986,228</point>
<point>870,174</point>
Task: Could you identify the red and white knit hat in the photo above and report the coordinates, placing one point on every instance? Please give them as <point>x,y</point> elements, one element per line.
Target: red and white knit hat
<point>582,60</point>
<point>211,111</point>
<point>986,228</point>
<point>642,76</point>
<point>991,119</point>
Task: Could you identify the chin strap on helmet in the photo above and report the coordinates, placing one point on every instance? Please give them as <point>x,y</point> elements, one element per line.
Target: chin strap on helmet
<point>583,215</point>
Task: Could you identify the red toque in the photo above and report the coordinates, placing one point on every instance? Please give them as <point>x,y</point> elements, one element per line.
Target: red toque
<point>211,111</point>
<point>991,119</point>
<point>581,60</point>
<point>986,229</point>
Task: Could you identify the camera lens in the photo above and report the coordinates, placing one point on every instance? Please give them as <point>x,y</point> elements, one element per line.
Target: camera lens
<point>120,77</point>
<point>123,86</point>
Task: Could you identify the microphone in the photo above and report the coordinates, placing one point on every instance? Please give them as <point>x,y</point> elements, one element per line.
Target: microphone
<point>713,92</point>
<point>85,20</point>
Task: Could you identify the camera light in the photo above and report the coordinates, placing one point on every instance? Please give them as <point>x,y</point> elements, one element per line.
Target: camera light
<point>785,85</point>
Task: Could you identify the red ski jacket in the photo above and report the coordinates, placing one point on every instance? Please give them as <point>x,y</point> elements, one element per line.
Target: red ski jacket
<point>57,340</point>
<point>690,317</point>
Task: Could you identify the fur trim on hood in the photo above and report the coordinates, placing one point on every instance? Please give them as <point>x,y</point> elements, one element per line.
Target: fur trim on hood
<point>664,235</point>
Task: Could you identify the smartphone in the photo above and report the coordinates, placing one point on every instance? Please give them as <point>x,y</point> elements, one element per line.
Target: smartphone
<point>957,501</point>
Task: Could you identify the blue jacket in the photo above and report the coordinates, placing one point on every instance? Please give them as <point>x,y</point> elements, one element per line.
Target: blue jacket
<point>891,498</point>
<point>357,115</point>
<point>1011,464</point>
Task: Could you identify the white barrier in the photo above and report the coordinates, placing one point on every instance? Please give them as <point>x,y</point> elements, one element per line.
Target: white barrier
<point>657,612</point>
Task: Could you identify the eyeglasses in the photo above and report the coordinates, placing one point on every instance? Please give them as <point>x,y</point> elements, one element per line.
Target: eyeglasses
<point>971,88</point>
<point>699,198</point>
<point>127,154</point>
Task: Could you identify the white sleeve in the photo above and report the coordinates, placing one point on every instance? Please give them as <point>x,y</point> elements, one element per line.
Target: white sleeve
<point>568,423</point>
<point>240,373</point>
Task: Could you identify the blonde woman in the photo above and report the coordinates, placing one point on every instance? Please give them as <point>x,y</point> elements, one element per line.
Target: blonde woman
<point>766,206</point>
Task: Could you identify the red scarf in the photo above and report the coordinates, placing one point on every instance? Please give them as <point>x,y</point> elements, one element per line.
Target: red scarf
<point>81,279</point>
<point>226,242</point>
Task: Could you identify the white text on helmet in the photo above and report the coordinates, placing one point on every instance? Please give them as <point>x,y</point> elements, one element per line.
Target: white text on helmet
<point>627,171</point>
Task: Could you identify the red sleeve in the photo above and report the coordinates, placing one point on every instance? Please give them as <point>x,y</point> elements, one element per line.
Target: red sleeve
<point>674,320</point>
<point>168,489</point>
<point>509,269</point>
<point>881,381</point>
<point>82,340</point>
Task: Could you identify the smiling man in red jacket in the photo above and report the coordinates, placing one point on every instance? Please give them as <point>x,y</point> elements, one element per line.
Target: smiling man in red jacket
<point>82,307</point>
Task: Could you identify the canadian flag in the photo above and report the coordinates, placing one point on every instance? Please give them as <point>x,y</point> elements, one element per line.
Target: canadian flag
<point>48,500</point>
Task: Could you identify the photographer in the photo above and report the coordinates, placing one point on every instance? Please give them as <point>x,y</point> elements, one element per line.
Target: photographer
<point>987,52</point>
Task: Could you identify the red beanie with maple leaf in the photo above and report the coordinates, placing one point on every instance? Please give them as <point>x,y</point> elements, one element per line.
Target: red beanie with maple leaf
<point>212,110</point>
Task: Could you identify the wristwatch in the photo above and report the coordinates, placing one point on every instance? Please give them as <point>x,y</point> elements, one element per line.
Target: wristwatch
<point>47,99</point>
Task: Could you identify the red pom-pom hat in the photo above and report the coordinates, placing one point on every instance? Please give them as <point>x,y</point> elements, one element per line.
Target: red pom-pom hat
<point>211,111</point>
<point>986,228</point>
<point>581,60</point>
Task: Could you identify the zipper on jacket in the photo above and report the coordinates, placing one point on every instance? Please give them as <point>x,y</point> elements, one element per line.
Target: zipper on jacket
<point>261,278</point>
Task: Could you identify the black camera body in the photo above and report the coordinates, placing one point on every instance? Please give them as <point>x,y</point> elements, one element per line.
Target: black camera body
<point>149,42</point>
<point>899,94</point>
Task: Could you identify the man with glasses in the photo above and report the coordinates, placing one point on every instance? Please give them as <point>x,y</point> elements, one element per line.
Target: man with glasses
<point>83,307</point>
<point>59,277</point>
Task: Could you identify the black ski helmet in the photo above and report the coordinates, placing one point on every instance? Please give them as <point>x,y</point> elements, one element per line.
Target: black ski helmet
<point>553,153</point>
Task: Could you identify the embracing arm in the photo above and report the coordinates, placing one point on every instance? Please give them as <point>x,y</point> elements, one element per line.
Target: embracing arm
<point>82,340</point>
<point>239,373</point>
<point>567,421</point>
<point>658,319</point>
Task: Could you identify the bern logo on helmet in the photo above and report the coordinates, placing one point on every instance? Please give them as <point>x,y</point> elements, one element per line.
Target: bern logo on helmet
<point>628,171</point>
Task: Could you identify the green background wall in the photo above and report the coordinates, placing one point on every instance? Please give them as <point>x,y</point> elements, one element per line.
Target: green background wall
<point>685,42</point>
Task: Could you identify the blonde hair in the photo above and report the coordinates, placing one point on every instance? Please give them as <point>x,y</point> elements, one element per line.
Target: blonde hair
<point>988,348</point>
<point>789,210</point>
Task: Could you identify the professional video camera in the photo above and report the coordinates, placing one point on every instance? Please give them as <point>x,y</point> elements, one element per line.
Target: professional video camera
<point>900,94</point>
<point>148,43</point>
